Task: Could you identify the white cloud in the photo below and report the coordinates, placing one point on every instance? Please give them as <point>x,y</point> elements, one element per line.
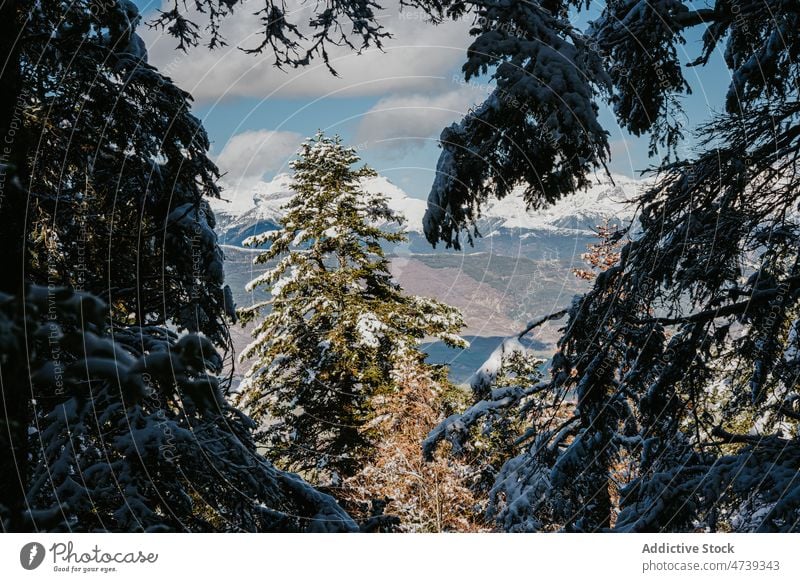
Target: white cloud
<point>398,123</point>
<point>249,155</point>
<point>418,58</point>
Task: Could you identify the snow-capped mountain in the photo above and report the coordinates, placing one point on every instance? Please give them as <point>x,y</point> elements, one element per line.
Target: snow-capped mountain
<point>575,215</point>
<point>238,221</point>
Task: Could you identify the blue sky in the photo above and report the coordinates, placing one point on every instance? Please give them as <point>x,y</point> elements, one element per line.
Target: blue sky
<point>390,105</point>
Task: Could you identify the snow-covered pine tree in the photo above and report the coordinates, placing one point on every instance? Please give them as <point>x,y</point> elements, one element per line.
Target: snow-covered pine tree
<point>539,127</point>
<point>131,431</point>
<point>682,357</point>
<point>338,323</point>
<point>511,409</point>
<point>119,172</point>
<point>104,173</point>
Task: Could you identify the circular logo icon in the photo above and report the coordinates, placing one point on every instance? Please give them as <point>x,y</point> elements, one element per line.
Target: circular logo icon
<point>31,555</point>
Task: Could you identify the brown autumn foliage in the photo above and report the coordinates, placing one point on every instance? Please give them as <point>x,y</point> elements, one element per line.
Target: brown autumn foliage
<point>422,496</point>
<point>601,255</point>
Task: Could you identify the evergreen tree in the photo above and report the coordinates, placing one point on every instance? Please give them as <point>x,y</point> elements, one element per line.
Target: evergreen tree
<point>540,127</point>
<point>119,173</point>
<point>110,420</point>
<point>338,324</point>
<point>131,431</point>
<point>682,357</point>
<point>103,176</point>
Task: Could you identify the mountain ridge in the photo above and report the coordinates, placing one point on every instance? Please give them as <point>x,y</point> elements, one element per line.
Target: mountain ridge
<point>576,215</point>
